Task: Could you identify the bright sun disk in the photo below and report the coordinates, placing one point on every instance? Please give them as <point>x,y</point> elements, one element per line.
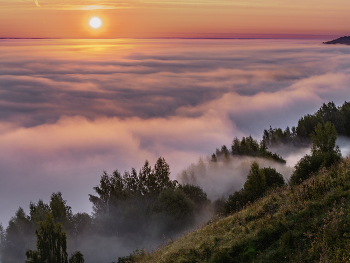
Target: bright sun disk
<point>95,22</point>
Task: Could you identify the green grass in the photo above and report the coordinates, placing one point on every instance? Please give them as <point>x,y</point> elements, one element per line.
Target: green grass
<point>305,223</point>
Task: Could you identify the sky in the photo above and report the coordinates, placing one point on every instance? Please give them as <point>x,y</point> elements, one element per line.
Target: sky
<point>70,109</point>
<point>168,18</point>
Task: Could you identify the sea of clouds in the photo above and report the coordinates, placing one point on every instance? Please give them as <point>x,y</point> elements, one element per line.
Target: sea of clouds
<point>70,109</point>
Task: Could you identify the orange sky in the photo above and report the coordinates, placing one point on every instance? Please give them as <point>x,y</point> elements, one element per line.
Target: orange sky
<point>168,18</point>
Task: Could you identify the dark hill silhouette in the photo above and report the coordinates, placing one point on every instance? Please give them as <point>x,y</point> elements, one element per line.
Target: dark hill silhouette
<point>342,40</point>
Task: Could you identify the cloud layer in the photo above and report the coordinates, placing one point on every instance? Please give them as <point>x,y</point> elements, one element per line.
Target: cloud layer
<point>70,109</point>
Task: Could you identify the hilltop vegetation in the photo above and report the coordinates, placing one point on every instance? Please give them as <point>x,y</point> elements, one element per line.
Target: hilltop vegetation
<point>300,135</point>
<point>306,222</point>
<point>246,147</point>
<point>309,222</point>
<point>268,220</point>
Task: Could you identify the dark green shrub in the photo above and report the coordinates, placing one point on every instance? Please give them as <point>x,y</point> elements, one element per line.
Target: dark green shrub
<point>306,166</point>
<point>236,202</point>
<point>255,185</point>
<point>196,194</point>
<point>173,210</point>
<point>273,178</point>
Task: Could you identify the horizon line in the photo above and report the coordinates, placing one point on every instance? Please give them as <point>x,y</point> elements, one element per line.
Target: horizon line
<point>258,36</point>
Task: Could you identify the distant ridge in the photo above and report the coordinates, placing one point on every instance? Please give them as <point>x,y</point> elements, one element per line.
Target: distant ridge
<point>342,40</point>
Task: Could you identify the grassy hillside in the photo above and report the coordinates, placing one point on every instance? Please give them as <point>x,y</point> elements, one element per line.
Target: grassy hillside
<point>304,223</point>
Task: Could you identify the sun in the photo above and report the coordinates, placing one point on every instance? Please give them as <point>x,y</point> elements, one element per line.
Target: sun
<point>95,22</point>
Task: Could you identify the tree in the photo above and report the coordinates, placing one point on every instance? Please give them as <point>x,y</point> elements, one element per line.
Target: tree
<point>123,203</point>
<point>330,113</point>
<point>173,210</point>
<point>18,235</point>
<point>306,125</point>
<point>236,201</point>
<point>256,182</point>
<point>324,138</point>
<point>345,116</point>
<point>60,211</point>
<point>82,224</point>
<point>162,176</point>
<point>273,178</point>
<point>324,153</point>
<point>196,194</point>
<point>306,166</point>
<point>214,159</point>
<point>236,146</point>
<point>51,244</point>
<point>77,257</point>
<point>2,241</point>
<point>38,212</point>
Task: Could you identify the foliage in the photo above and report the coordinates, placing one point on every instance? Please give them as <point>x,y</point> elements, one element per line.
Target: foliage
<point>2,240</point>
<point>236,202</point>
<point>82,224</point>
<point>20,233</point>
<point>256,182</point>
<point>309,222</point>
<point>324,153</point>
<point>124,202</point>
<point>77,257</point>
<point>305,167</point>
<point>173,208</point>
<point>115,188</point>
<point>259,180</point>
<point>301,135</point>
<point>323,139</point>
<point>196,195</point>
<point>246,147</point>
<point>59,209</point>
<point>132,257</point>
<point>273,178</point>
<point>18,236</point>
<point>51,243</point>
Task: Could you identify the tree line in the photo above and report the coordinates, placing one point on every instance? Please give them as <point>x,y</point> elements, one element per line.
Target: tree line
<point>301,134</point>
<point>131,206</point>
<point>135,205</point>
<point>246,147</point>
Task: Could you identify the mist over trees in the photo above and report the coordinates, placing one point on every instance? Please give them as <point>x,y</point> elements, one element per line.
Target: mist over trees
<point>51,244</point>
<point>246,147</point>
<point>138,208</point>
<point>128,208</point>
<point>324,153</point>
<point>143,204</point>
<point>301,134</point>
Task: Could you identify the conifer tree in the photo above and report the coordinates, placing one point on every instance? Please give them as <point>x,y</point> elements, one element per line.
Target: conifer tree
<point>256,182</point>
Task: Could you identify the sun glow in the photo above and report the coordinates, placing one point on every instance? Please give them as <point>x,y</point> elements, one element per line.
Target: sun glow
<point>95,22</point>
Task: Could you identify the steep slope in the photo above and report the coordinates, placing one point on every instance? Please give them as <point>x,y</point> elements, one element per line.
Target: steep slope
<point>305,223</point>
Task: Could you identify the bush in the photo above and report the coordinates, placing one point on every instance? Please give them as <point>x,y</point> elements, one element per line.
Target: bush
<point>173,209</point>
<point>273,178</point>
<point>305,167</point>
<point>324,153</point>
<point>256,182</point>
<point>196,194</point>
<point>236,201</point>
